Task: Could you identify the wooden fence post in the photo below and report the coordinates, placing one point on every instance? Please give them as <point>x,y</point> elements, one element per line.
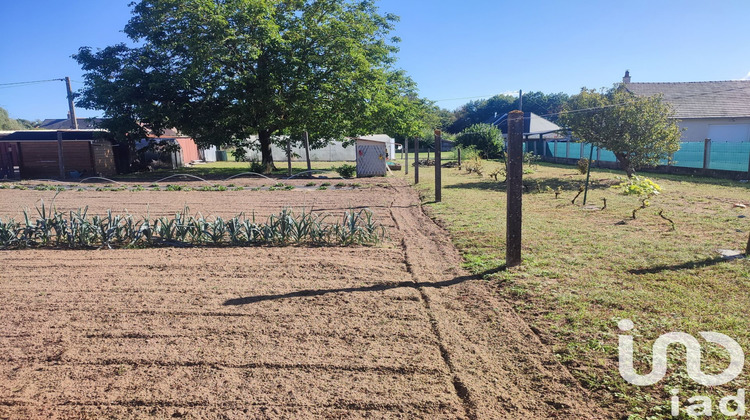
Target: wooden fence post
<point>514,189</point>
<point>458,149</point>
<point>416,160</point>
<point>406,156</point>
<point>438,166</point>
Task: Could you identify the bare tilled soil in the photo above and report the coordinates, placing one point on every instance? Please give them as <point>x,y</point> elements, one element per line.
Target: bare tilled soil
<point>394,331</point>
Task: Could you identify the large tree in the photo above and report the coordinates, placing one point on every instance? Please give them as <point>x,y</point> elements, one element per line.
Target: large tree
<point>223,70</point>
<point>640,131</point>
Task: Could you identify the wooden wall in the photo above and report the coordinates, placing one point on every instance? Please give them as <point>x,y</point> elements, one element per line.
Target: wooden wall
<point>189,150</point>
<point>39,158</point>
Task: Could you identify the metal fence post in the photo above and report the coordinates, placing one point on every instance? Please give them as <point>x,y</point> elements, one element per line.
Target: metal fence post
<point>706,153</point>
<point>555,150</point>
<point>567,149</point>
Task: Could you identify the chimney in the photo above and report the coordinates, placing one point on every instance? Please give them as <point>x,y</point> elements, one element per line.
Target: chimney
<point>626,79</point>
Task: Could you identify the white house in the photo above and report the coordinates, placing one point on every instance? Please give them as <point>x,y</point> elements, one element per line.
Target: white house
<point>719,111</point>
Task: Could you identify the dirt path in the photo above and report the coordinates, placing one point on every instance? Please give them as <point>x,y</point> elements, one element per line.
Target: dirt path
<point>387,332</point>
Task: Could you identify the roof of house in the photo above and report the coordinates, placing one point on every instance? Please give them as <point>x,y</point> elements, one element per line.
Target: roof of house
<point>727,99</point>
<point>383,138</point>
<point>532,124</point>
<point>51,135</point>
<point>64,124</point>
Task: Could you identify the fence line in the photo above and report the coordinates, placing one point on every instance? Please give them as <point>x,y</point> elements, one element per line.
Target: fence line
<point>705,155</point>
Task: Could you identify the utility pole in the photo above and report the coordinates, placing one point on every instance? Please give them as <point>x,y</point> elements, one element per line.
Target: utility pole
<point>71,106</point>
<point>520,100</point>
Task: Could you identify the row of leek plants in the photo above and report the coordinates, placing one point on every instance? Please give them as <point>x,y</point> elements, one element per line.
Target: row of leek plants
<point>77,229</point>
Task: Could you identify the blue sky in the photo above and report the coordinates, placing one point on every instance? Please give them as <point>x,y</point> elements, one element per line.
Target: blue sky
<point>454,50</point>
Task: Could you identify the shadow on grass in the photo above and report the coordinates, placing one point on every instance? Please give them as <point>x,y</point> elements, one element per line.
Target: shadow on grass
<point>373,288</point>
<point>677,267</point>
<point>532,184</point>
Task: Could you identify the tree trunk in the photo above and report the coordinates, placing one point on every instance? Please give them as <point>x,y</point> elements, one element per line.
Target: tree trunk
<point>625,165</point>
<point>264,138</point>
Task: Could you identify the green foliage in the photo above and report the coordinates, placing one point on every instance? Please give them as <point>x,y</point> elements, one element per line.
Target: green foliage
<point>346,170</point>
<point>7,123</point>
<point>640,186</point>
<point>486,138</point>
<point>221,71</point>
<point>644,189</point>
<point>77,230</point>
<point>640,131</point>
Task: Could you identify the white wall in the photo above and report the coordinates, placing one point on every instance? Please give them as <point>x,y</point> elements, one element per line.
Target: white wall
<point>716,129</point>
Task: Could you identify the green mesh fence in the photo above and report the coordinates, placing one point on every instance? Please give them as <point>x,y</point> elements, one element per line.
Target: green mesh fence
<point>728,156</point>
<point>690,155</point>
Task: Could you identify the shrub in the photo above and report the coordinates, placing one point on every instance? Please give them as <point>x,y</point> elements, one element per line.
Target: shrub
<point>583,166</point>
<point>486,138</point>
<point>346,170</point>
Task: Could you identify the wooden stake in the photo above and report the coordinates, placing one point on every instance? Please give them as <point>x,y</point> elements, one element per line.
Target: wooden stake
<point>515,189</point>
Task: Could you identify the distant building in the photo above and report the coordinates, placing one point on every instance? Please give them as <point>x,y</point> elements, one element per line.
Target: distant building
<point>32,154</point>
<point>719,111</point>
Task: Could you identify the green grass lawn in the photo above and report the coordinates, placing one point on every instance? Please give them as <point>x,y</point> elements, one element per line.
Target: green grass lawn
<point>585,269</point>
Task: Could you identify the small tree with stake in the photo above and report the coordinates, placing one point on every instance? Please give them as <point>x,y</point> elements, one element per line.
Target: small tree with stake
<point>640,131</point>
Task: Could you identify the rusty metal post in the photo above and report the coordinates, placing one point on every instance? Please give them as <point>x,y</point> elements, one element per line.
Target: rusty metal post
<point>416,160</point>
<point>515,189</point>
<point>438,166</point>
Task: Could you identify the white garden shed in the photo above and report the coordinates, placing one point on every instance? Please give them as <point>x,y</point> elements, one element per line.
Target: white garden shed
<point>372,154</point>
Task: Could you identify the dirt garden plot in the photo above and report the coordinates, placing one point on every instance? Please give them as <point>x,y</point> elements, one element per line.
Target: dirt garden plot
<point>394,331</point>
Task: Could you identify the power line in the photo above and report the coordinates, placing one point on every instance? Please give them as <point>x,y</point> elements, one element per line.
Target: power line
<point>31,82</point>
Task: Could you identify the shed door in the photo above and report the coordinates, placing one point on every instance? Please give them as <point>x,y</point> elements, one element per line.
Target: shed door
<point>371,160</point>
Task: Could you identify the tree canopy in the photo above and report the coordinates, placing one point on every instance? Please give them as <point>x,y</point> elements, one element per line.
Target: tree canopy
<point>640,131</point>
<point>481,111</point>
<point>223,70</point>
<point>8,123</point>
